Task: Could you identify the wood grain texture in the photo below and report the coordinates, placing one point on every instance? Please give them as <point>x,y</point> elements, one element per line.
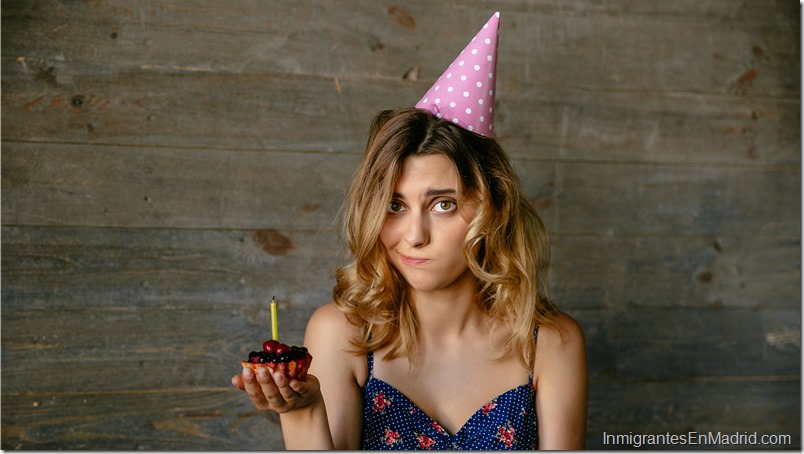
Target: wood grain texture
<point>175,348</point>
<point>308,113</point>
<point>716,47</point>
<point>193,420</point>
<point>168,166</point>
<point>689,343</point>
<point>675,272</point>
<point>158,420</point>
<point>738,406</point>
<point>147,85</point>
<point>137,349</point>
<point>150,269</point>
<point>48,184</point>
<point>148,187</point>
<point>60,268</point>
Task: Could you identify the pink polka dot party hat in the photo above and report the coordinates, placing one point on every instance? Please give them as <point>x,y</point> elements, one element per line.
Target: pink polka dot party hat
<point>464,94</point>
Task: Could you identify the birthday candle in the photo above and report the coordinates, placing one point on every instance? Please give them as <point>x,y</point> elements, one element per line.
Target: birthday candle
<point>274,324</point>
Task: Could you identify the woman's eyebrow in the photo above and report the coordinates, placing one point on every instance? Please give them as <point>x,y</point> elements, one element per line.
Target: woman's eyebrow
<point>430,193</point>
<point>437,192</point>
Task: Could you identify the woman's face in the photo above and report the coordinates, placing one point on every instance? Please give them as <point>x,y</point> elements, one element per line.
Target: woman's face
<point>426,224</point>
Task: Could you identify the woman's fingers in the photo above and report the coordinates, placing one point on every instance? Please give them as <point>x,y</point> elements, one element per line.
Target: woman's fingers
<point>283,384</point>
<point>270,390</point>
<point>276,392</point>
<point>256,389</point>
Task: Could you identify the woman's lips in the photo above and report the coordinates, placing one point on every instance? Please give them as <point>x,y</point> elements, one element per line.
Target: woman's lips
<point>412,261</point>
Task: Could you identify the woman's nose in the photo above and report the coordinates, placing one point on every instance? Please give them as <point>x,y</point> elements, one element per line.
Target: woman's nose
<point>417,234</point>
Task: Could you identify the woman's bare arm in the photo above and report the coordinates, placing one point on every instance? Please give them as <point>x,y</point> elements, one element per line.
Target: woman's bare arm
<point>561,380</point>
<point>328,333</point>
<point>325,411</point>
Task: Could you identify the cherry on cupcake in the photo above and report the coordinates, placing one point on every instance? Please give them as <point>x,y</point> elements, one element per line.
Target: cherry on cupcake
<point>281,349</point>
<point>269,346</point>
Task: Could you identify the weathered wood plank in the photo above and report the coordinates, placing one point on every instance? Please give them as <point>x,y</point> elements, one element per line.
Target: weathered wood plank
<point>323,114</point>
<point>617,46</point>
<point>136,349</point>
<point>766,407</point>
<point>132,348</point>
<point>59,184</point>
<point>67,268</point>
<point>245,112</point>
<point>198,419</point>
<point>568,124</point>
<point>735,49</point>
<point>49,184</point>
<point>627,199</point>
<point>631,344</point>
<point>616,272</point>
<point>165,419</point>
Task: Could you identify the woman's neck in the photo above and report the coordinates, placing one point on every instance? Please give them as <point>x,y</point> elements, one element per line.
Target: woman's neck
<point>450,313</point>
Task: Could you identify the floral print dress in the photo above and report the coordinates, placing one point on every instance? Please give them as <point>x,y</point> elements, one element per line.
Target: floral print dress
<point>392,421</point>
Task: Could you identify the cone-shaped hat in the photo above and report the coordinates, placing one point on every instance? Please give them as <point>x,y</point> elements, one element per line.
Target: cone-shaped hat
<point>464,94</point>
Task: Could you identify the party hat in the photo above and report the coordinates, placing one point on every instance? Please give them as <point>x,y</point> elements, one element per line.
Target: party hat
<point>464,94</point>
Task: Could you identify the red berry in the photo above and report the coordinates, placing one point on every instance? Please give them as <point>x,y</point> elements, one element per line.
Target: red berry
<point>281,349</point>
<point>269,346</point>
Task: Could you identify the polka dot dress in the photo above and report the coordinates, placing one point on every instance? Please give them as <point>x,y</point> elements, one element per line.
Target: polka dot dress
<point>392,421</point>
<point>464,94</point>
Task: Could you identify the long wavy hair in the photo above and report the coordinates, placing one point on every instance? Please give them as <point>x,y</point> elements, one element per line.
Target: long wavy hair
<point>506,244</point>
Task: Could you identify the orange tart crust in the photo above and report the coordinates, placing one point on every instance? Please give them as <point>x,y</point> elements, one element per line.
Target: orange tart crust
<point>293,369</point>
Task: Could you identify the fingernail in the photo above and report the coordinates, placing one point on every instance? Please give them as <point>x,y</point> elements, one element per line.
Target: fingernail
<point>248,373</point>
<point>263,374</point>
<point>279,378</point>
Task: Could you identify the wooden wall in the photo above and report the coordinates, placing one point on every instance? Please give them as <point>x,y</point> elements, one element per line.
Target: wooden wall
<point>168,166</point>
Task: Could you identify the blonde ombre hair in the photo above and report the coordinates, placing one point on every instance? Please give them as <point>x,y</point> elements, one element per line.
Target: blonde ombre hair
<point>506,243</point>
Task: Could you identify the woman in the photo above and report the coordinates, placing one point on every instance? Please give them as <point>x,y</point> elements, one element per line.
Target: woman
<point>440,335</point>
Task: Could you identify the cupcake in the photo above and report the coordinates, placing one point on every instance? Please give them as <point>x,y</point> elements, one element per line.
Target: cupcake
<point>291,361</point>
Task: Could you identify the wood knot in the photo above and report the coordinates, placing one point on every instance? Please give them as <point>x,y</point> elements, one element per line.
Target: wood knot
<point>272,242</point>
<point>745,82</point>
<point>705,277</point>
<point>401,18</point>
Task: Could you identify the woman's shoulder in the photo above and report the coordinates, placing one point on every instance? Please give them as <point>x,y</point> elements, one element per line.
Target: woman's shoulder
<point>340,372</point>
<point>561,379</point>
<point>329,321</point>
<point>560,341</point>
<point>328,337</point>
<point>560,329</point>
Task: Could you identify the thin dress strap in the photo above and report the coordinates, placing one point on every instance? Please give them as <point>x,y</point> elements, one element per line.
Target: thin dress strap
<point>370,357</point>
<point>535,339</point>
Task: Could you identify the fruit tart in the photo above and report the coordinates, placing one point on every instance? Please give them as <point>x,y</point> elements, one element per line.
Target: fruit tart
<point>291,361</point>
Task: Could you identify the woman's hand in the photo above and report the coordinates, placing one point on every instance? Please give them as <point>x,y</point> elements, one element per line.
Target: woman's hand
<point>303,411</point>
<point>277,393</point>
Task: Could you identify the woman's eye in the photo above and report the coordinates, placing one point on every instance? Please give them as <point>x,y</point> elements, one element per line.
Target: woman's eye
<point>395,207</point>
<point>444,206</point>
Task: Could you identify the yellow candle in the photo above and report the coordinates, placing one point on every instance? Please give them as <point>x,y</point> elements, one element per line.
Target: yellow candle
<point>274,324</point>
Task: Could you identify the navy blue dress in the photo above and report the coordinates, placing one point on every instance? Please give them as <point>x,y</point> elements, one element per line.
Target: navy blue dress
<point>392,421</point>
